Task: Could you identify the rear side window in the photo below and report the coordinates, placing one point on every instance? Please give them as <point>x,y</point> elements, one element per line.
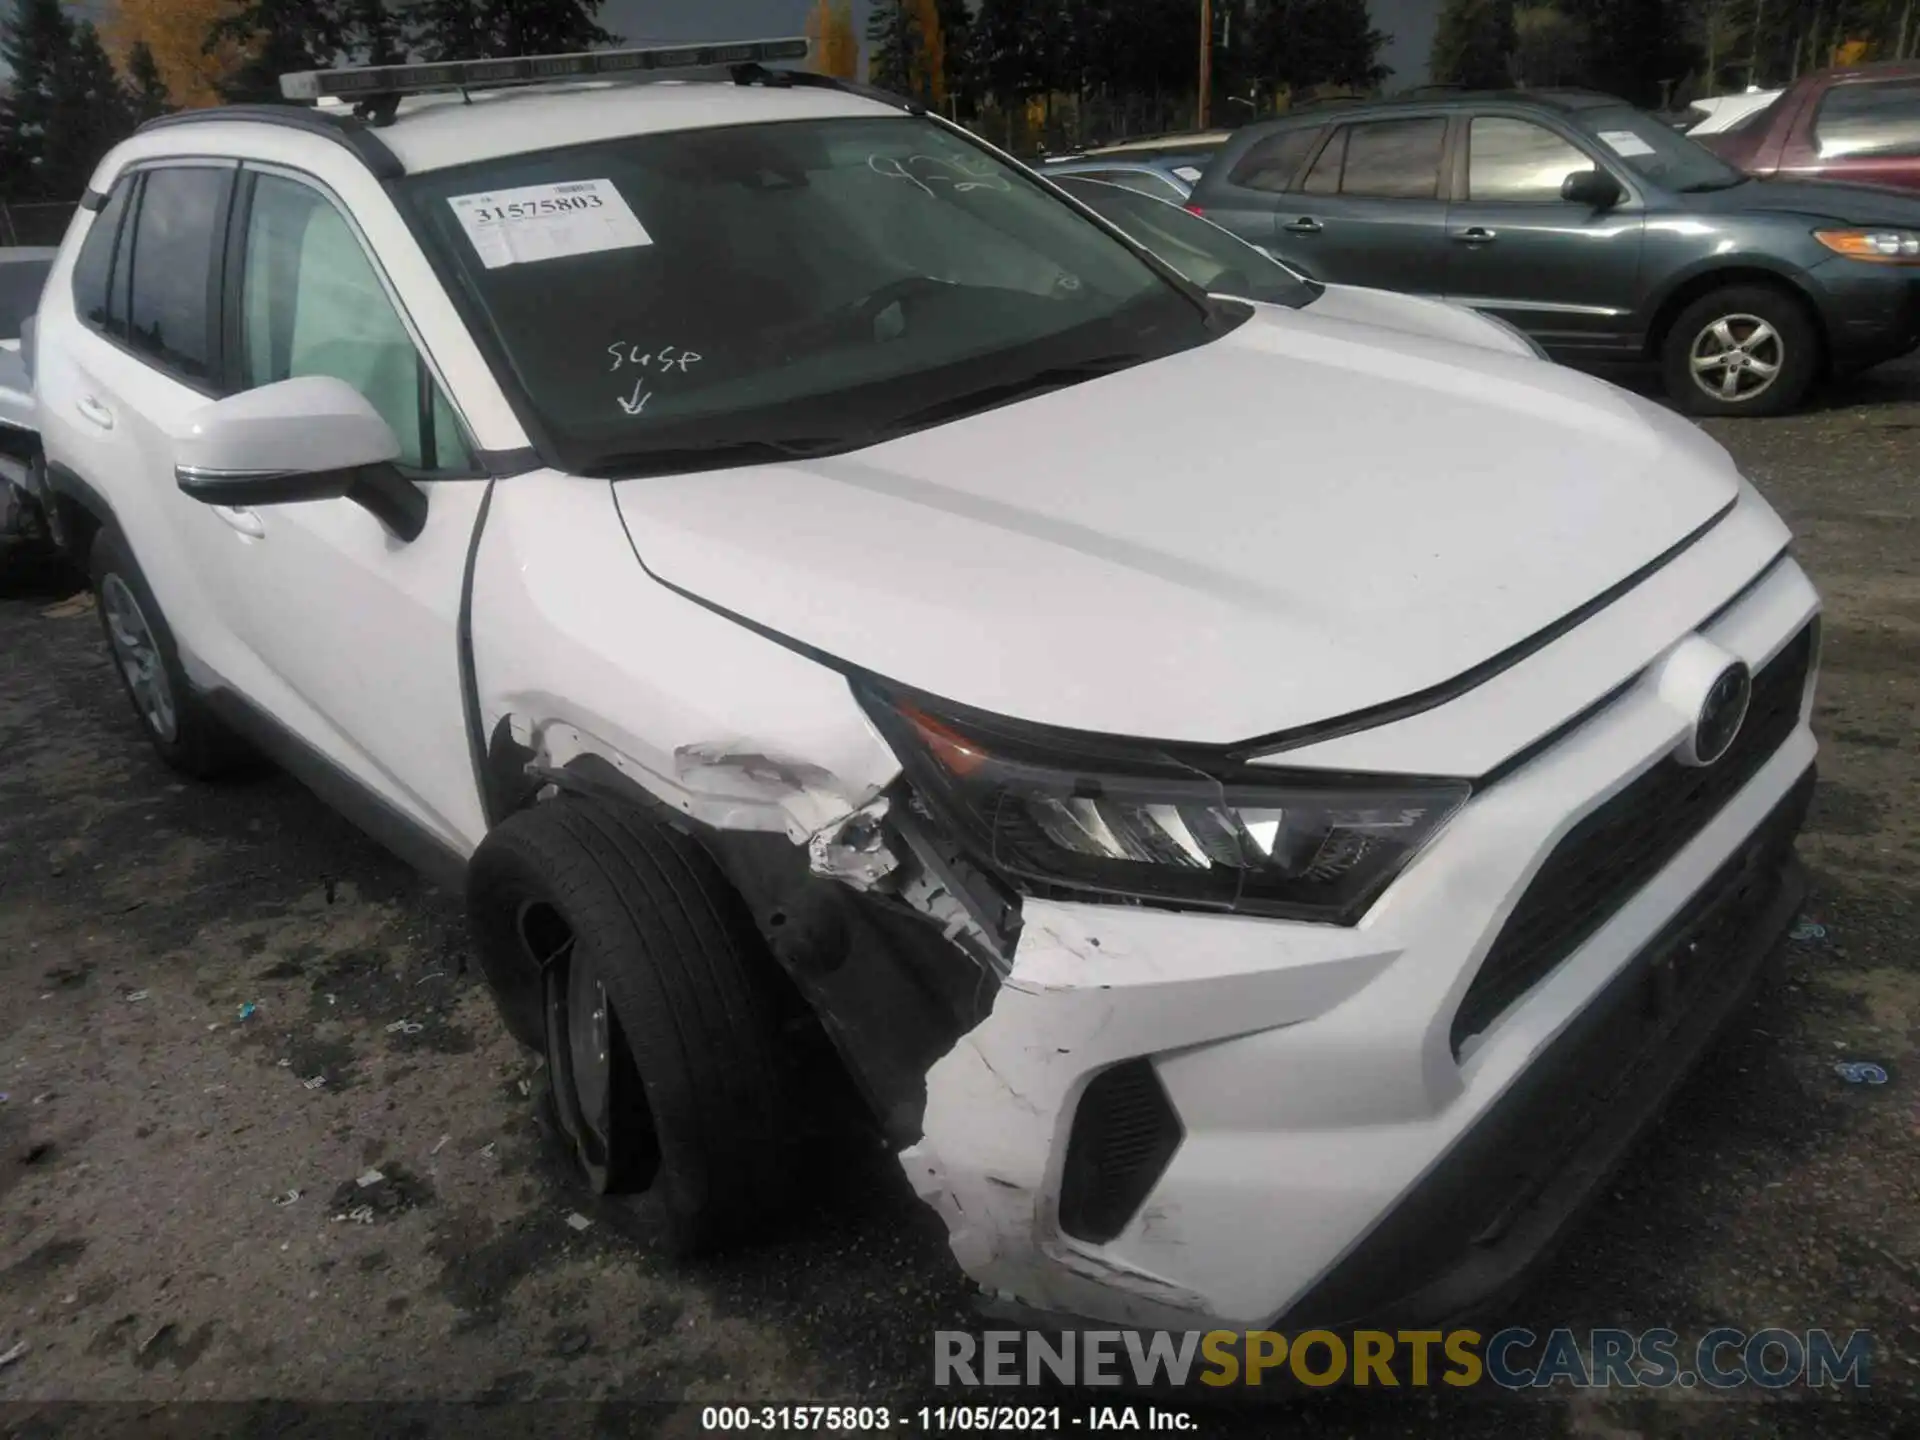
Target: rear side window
<point>1394,159</point>
<point>1272,164</point>
<point>176,234</point>
<point>93,267</point>
<point>1869,118</point>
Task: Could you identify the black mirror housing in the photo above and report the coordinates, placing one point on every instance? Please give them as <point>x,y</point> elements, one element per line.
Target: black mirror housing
<point>1592,187</point>
<point>379,488</point>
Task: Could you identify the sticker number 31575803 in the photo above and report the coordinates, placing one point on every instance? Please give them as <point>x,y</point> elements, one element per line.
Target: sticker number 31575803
<point>546,222</point>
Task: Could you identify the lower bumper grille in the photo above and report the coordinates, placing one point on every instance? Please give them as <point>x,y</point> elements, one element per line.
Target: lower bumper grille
<point>1124,1134</point>
<point>1611,854</point>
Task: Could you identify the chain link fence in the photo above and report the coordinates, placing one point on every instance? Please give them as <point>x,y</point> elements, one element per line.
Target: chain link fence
<point>42,222</point>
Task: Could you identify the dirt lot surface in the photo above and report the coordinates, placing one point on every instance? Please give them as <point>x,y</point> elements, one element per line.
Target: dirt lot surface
<point>220,1008</point>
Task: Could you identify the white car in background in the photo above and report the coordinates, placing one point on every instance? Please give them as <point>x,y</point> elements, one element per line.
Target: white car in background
<point>1264,867</point>
<point>23,271</point>
<point>1724,112</point>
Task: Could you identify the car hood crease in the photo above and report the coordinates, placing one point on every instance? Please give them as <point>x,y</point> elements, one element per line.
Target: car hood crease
<point>1294,522</point>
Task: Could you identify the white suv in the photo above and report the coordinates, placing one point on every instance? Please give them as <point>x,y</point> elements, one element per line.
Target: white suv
<point>1263,801</point>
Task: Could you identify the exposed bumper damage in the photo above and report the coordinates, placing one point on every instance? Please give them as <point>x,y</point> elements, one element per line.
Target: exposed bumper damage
<point>896,943</point>
<point>1306,1078</point>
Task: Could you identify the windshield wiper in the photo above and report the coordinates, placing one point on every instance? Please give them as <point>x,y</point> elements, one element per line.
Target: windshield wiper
<point>724,454</point>
<point>1703,186</point>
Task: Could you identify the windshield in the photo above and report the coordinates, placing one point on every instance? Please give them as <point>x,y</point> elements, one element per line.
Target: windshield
<point>702,297</point>
<point>1658,152</point>
<point>1197,248</point>
<point>21,282</point>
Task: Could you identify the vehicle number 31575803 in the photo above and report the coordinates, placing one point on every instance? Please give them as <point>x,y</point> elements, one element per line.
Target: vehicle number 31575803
<point>534,209</point>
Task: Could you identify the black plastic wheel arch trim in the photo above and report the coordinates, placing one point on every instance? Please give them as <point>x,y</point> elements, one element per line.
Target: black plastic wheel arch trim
<point>469,676</point>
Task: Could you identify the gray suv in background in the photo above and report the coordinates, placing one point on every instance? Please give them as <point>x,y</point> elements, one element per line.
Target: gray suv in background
<point>1591,226</point>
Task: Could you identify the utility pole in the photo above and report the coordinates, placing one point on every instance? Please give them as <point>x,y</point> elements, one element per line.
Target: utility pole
<point>1206,61</point>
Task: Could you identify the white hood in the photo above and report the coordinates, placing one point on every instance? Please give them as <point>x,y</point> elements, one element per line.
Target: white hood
<point>1304,518</point>
<point>1417,315</point>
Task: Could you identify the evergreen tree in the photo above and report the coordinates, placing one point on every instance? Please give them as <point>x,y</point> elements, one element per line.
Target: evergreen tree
<point>495,29</point>
<point>450,30</point>
<point>1304,43</point>
<point>92,113</point>
<point>66,108</point>
<point>278,36</point>
<point>956,28</point>
<point>149,95</point>
<point>35,42</point>
<point>1472,43</point>
<point>373,33</point>
<point>1549,47</point>
<point>1634,45</point>
<point>891,46</point>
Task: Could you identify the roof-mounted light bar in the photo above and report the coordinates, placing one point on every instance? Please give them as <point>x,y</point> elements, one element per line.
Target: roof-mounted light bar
<point>371,82</point>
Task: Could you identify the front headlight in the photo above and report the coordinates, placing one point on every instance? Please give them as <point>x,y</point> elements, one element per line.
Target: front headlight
<point>1885,246</point>
<point>1074,815</point>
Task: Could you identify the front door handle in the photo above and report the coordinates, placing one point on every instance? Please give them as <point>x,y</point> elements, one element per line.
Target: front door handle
<point>245,521</point>
<point>92,410</point>
<point>1305,225</point>
<point>1476,235</point>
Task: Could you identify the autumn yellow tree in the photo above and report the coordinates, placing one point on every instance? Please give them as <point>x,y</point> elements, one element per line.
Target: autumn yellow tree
<point>907,51</point>
<point>836,48</point>
<point>929,64</point>
<point>176,32</point>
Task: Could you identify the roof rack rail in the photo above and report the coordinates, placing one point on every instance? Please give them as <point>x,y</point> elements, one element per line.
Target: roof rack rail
<point>754,73</point>
<point>343,130</point>
<point>375,91</point>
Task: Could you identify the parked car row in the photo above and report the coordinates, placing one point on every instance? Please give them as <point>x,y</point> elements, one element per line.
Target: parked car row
<point>1593,227</point>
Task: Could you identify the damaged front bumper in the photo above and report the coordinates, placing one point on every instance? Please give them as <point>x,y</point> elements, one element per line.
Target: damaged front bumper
<point>1301,1130</point>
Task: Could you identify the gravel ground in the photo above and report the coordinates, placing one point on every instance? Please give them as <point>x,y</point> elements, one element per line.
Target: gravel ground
<point>220,1008</point>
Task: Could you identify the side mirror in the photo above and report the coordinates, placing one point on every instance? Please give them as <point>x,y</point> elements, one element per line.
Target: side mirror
<point>1592,187</point>
<point>311,438</point>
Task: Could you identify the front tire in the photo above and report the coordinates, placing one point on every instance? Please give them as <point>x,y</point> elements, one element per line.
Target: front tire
<point>1742,350</point>
<point>176,720</point>
<point>616,944</point>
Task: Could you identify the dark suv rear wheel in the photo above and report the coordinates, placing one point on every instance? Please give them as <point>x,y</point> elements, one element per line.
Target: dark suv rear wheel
<point>1742,350</point>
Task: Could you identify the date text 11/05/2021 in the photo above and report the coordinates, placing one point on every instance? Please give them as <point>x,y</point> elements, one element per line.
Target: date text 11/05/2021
<point>941,1419</point>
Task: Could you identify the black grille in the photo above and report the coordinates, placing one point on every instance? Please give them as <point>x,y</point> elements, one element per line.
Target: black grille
<point>1124,1134</point>
<point>1617,849</point>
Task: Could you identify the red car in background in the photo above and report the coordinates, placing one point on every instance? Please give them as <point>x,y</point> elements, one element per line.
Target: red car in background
<point>1859,123</point>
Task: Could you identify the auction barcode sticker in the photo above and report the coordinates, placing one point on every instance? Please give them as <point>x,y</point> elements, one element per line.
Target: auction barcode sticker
<point>546,222</point>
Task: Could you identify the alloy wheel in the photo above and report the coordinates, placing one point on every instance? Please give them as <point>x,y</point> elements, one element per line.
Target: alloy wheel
<point>139,658</point>
<point>1736,358</point>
